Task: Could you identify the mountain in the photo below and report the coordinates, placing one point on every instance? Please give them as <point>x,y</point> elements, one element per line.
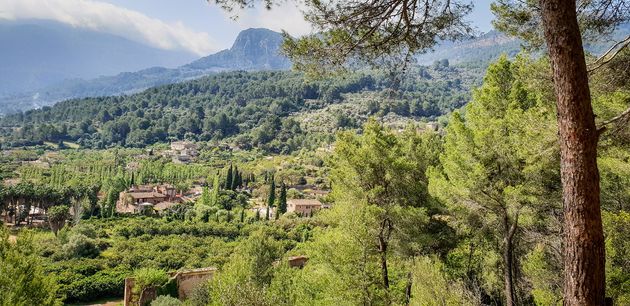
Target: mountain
<point>253,49</point>
<point>37,54</point>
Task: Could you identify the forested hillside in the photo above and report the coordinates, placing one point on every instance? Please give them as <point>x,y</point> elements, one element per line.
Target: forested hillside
<point>262,109</point>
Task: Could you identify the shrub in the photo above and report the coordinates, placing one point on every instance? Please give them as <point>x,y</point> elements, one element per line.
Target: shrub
<point>166,300</point>
<point>147,277</point>
<point>79,246</point>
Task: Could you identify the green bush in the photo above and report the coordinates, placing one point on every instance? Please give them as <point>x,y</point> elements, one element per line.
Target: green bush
<point>79,246</point>
<point>105,283</point>
<point>165,300</point>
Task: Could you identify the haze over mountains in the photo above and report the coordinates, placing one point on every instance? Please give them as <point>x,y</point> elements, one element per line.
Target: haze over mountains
<point>36,54</point>
<point>253,49</point>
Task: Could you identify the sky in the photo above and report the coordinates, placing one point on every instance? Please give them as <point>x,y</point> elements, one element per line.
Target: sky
<point>197,26</point>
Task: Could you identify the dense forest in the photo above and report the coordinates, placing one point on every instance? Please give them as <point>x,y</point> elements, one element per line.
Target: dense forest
<point>258,107</point>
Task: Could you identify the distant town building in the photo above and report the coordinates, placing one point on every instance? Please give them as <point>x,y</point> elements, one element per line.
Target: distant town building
<point>183,145</point>
<point>139,199</point>
<point>182,152</point>
<point>303,207</point>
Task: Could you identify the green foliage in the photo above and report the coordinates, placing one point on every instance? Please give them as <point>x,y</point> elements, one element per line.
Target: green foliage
<point>79,246</point>
<point>249,271</point>
<point>166,300</point>
<point>597,19</point>
<point>350,30</point>
<point>542,270</point>
<point>22,279</point>
<point>149,277</point>
<point>431,287</point>
<point>617,233</point>
<point>498,173</point>
<point>57,216</point>
<point>228,106</point>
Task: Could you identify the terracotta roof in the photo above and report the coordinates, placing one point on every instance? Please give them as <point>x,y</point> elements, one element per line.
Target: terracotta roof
<point>146,195</point>
<point>163,205</point>
<point>308,202</point>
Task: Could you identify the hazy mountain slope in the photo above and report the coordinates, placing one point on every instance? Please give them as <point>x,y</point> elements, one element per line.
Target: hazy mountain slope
<point>253,49</point>
<point>480,50</point>
<point>38,54</point>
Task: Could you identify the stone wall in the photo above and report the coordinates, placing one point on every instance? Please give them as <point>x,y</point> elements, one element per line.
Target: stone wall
<point>186,282</point>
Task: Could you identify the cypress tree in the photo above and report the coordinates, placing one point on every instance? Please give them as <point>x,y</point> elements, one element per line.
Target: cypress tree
<point>282,201</point>
<point>228,179</point>
<point>239,179</point>
<point>234,183</point>
<point>272,192</point>
<point>257,214</point>
<point>242,215</point>
<point>214,198</point>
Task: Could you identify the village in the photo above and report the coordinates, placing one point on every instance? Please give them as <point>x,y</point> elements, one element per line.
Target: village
<point>155,199</point>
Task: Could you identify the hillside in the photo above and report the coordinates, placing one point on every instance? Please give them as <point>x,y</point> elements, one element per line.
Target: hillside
<point>275,111</point>
<point>479,50</point>
<point>253,49</point>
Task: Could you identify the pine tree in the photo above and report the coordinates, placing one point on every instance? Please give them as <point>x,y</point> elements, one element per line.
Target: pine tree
<point>282,201</point>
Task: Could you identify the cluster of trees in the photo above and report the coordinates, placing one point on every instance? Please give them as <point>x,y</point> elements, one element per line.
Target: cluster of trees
<point>17,201</point>
<point>90,260</point>
<point>256,106</point>
<point>472,217</point>
<point>234,179</point>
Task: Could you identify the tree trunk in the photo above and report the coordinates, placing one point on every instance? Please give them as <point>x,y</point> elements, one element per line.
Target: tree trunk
<point>383,243</point>
<point>383,252</point>
<point>508,273</point>
<point>584,281</point>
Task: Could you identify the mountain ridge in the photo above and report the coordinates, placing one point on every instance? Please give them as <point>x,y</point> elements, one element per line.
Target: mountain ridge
<point>253,49</point>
